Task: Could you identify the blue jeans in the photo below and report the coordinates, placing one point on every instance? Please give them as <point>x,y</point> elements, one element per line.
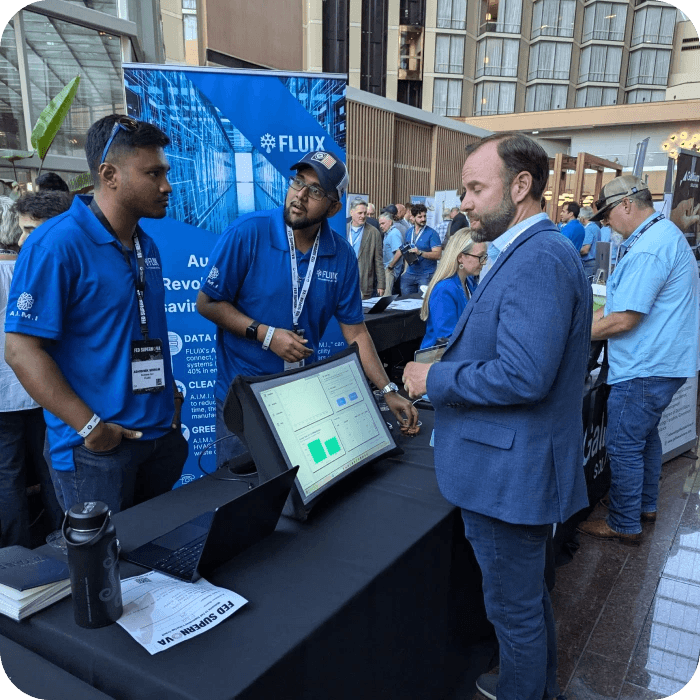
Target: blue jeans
<point>512,561</point>
<point>21,452</point>
<point>231,445</point>
<point>131,473</point>
<point>634,447</point>
<point>410,284</point>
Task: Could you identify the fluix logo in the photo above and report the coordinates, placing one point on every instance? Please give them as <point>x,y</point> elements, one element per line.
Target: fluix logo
<point>299,143</point>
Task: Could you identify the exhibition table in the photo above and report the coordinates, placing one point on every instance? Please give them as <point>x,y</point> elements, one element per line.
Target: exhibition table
<point>376,595</point>
<point>394,327</point>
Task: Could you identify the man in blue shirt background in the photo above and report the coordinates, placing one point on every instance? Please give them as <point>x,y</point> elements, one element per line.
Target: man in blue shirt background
<point>75,328</point>
<point>650,319</point>
<point>249,292</point>
<point>572,228</point>
<point>591,231</point>
<point>425,243</point>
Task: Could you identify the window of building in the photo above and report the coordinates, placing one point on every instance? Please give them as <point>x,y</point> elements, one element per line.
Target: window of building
<point>109,7</point>
<point>644,95</point>
<point>11,119</point>
<point>654,25</point>
<point>550,60</point>
<point>553,18</point>
<point>648,67</point>
<point>604,21</point>
<point>449,53</point>
<point>57,51</point>
<point>539,98</point>
<point>452,14</point>
<point>600,64</point>
<point>190,27</point>
<point>189,5</point>
<point>596,96</point>
<point>494,98</point>
<point>501,16</point>
<point>447,97</point>
<point>497,56</point>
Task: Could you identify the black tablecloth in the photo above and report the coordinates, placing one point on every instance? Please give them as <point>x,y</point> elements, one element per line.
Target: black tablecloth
<point>391,328</point>
<point>377,595</point>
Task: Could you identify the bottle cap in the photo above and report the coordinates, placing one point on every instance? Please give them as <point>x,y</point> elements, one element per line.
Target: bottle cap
<point>88,516</point>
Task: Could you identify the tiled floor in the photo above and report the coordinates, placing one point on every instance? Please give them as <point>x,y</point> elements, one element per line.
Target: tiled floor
<point>628,618</point>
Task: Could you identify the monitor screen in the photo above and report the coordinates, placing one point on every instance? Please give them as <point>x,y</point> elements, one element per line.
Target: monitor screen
<point>324,419</point>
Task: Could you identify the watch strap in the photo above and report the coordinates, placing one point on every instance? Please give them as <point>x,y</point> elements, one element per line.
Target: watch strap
<point>251,333</point>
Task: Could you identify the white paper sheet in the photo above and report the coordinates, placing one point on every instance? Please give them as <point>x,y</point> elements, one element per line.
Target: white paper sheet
<point>160,611</point>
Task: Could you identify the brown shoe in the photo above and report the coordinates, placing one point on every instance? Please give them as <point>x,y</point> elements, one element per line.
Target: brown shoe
<point>646,517</point>
<point>602,531</point>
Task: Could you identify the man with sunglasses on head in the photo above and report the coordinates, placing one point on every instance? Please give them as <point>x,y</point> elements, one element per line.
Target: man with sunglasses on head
<point>86,328</point>
<point>650,320</point>
<point>276,279</point>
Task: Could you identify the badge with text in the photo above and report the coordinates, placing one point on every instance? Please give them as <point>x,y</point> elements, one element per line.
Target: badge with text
<point>295,365</point>
<point>147,366</point>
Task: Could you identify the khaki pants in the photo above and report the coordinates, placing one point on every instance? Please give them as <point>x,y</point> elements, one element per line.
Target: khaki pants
<point>389,281</point>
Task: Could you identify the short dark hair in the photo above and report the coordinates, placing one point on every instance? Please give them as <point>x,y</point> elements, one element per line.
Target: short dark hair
<point>52,181</point>
<point>418,209</point>
<point>409,206</point>
<point>519,153</point>
<point>573,208</point>
<point>44,204</point>
<point>643,199</point>
<point>143,136</point>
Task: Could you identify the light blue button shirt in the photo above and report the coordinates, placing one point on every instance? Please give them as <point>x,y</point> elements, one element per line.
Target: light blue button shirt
<point>495,247</point>
<point>355,238</point>
<point>658,277</point>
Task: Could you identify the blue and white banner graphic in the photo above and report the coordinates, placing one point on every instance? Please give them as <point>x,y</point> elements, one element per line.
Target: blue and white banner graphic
<point>234,136</point>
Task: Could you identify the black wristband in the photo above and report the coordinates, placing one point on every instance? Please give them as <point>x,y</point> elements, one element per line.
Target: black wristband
<point>251,333</point>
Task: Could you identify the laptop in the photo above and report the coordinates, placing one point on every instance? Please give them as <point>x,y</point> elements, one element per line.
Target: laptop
<point>196,548</point>
<point>382,304</point>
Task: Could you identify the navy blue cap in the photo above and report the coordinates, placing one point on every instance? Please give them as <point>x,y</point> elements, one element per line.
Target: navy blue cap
<point>331,172</point>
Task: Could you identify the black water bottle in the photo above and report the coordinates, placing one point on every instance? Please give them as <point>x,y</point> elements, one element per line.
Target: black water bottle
<point>93,559</point>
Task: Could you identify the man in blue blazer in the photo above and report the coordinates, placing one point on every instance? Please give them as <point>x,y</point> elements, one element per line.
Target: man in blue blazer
<point>508,398</point>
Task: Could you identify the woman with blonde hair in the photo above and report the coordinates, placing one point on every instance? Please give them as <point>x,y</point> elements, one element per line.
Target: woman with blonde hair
<point>451,286</point>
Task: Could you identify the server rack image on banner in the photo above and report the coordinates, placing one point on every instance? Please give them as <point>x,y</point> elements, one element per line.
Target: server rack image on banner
<point>234,135</point>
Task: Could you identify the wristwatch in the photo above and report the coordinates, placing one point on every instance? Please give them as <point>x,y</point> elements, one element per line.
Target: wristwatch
<point>252,331</point>
<point>389,388</point>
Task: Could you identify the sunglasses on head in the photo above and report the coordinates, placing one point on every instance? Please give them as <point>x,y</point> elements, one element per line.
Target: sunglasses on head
<point>125,123</point>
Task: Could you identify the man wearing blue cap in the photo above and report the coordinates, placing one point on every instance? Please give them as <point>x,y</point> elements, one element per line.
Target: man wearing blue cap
<point>275,280</point>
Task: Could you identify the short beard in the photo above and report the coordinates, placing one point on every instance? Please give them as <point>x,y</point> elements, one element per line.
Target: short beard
<point>496,223</point>
<point>303,222</point>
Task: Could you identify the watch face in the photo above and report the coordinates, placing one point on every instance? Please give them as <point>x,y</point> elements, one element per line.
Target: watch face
<point>390,387</point>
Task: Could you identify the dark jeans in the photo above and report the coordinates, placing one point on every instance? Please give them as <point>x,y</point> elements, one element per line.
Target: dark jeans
<point>512,562</point>
<point>228,444</point>
<point>133,472</point>
<point>410,284</point>
<point>634,446</point>
<point>21,453</point>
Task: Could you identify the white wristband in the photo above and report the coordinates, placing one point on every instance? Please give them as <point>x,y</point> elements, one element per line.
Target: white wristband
<point>268,337</point>
<point>92,424</point>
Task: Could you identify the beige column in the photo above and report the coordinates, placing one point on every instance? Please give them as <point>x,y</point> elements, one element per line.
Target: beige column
<point>355,44</point>
<point>313,35</point>
<point>392,49</point>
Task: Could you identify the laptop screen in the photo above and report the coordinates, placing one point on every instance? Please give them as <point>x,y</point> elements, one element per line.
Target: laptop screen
<point>325,420</point>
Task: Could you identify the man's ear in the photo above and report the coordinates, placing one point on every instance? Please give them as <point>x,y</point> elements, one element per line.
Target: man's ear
<point>521,186</point>
<point>334,209</point>
<point>107,174</point>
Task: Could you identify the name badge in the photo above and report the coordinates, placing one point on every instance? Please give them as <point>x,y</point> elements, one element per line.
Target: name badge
<point>292,365</point>
<point>147,366</point>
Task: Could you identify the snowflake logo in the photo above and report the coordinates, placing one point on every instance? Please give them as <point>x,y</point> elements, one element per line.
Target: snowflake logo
<point>213,273</point>
<point>25,301</point>
<point>267,142</point>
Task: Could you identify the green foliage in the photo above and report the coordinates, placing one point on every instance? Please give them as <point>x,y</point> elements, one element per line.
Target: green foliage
<point>52,116</point>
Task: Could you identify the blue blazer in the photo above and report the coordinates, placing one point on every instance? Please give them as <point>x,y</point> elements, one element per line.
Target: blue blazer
<point>508,392</point>
<point>446,303</point>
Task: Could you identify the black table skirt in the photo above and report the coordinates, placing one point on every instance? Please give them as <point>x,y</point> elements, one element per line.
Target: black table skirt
<point>377,595</point>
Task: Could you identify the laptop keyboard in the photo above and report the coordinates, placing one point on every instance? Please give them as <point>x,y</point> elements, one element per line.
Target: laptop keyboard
<point>184,560</point>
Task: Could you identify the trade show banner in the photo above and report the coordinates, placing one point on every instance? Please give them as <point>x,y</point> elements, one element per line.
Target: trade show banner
<point>685,207</point>
<point>677,424</point>
<point>234,136</point>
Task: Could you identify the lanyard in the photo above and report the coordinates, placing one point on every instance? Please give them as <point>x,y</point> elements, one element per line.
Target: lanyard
<point>140,280</point>
<point>299,299</point>
<point>649,224</point>
<point>352,240</point>
<point>414,240</point>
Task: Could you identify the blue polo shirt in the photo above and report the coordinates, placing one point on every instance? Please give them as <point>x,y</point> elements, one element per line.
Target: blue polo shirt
<point>393,240</point>
<point>251,269</point>
<point>591,237</point>
<point>658,278</point>
<point>425,240</point>
<point>575,232</point>
<point>73,285</point>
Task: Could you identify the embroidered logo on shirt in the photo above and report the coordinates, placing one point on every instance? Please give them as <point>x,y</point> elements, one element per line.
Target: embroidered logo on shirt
<point>326,276</point>
<point>213,273</point>
<point>152,264</point>
<point>25,301</point>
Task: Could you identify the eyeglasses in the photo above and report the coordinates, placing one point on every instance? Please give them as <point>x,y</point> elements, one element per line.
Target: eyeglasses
<point>481,258</point>
<point>125,123</point>
<point>606,215</point>
<point>315,192</point>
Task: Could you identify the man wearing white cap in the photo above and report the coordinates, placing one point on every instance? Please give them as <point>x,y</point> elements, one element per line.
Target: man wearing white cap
<point>651,322</point>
